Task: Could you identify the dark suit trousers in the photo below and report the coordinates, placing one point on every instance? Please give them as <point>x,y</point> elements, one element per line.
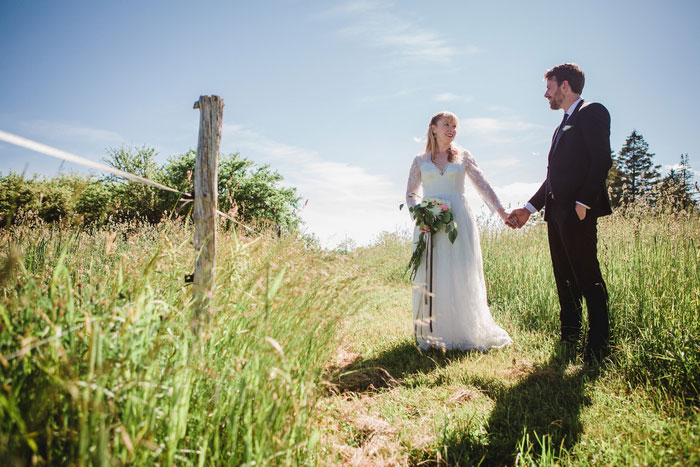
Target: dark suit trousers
<point>574,251</point>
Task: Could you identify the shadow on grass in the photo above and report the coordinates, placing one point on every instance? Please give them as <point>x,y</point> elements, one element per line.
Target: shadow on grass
<point>390,368</point>
<point>539,417</point>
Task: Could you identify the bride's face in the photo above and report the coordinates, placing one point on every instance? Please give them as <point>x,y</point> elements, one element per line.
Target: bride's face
<point>445,131</point>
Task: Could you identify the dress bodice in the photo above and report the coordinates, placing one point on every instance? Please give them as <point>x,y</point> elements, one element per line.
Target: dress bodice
<point>436,182</point>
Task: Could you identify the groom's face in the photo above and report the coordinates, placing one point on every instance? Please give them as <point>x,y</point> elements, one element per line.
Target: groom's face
<point>554,94</point>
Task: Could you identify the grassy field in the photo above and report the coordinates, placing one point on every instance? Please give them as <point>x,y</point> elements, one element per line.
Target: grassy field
<point>308,357</point>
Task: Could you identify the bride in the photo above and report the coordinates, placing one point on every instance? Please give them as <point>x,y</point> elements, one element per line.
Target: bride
<point>458,315</point>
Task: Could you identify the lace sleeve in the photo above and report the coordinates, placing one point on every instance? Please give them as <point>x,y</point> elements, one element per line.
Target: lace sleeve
<point>482,186</point>
<point>414,190</point>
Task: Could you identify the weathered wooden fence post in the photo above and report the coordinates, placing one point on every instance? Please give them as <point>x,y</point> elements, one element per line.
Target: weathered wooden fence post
<point>205,203</point>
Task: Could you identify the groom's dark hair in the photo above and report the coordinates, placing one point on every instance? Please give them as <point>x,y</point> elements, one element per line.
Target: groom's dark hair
<point>570,72</point>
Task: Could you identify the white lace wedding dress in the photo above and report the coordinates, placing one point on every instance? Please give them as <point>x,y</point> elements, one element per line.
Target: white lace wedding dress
<point>460,317</point>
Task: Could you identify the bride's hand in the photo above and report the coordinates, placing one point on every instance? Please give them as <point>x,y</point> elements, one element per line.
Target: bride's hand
<point>511,221</point>
<point>518,218</point>
<point>425,229</point>
<point>505,217</point>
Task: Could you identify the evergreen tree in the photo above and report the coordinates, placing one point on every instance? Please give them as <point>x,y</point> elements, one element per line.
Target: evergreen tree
<point>638,174</point>
<point>676,189</point>
<point>615,182</point>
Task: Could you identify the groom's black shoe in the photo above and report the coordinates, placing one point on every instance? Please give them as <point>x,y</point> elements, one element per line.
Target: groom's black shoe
<point>596,357</point>
<point>570,339</point>
<point>567,349</point>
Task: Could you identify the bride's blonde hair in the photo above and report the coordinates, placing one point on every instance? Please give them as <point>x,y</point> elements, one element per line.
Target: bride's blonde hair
<point>431,144</point>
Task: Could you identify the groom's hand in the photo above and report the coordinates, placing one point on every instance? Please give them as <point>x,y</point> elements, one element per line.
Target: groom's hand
<point>580,211</point>
<point>518,217</point>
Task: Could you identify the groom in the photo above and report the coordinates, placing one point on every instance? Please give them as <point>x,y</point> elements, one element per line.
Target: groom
<point>574,196</point>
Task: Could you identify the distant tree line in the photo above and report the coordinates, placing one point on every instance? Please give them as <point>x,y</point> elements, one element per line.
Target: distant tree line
<point>251,194</point>
<point>634,179</point>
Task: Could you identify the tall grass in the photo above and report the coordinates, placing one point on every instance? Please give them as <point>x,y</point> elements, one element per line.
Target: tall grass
<point>100,364</point>
<point>652,268</point>
<point>651,264</point>
<point>527,404</point>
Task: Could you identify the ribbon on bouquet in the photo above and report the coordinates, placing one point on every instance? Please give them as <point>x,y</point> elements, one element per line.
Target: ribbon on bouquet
<point>427,289</point>
<point>429,277</point>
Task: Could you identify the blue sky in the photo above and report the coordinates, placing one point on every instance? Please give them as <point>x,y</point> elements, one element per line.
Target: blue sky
<point>336,96</point>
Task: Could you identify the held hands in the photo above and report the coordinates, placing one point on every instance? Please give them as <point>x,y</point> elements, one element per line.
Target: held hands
<point>517,218</point>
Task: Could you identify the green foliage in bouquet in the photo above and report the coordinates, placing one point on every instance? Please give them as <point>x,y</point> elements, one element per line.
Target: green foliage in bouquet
<point>436,214</point>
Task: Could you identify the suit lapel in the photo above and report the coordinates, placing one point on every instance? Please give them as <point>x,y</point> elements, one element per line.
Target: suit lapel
<point>569,123</point>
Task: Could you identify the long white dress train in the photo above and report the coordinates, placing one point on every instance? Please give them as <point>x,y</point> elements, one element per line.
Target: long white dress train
<point>461,318</point>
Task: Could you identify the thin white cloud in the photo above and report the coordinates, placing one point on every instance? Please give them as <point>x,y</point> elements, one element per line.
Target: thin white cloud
<point>500,108</point>
<point>375,24</point>
<point>502,163</point>
<point>676,167</point>
<point>352,8</point>
<point>73,132</point>
<point>472,50</point>
<point>344,200</point>
<point>385,97</point>
<point>450,97</point>
<point>419,140</point>
<point>518,193</point>
<point>494,125</point>
<point>499,131</point>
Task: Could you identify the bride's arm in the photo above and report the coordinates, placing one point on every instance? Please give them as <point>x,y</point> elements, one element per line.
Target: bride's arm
<point>482,185</point>
<point>414,192</point>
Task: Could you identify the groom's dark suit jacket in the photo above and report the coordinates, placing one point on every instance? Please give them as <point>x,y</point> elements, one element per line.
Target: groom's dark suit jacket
<point>578,165</point>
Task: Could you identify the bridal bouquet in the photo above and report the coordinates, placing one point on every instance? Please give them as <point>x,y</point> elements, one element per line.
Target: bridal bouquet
<point>436,214</point>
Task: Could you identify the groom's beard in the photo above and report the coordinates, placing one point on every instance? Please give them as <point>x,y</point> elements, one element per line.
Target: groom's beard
<point>556,100</point>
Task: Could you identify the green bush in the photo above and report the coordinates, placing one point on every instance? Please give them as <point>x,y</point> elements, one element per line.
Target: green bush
<point>93,202</point>
<point>50,199</point>
<point>16,194</point>
<point>251,194</point>
<point>132,200</point>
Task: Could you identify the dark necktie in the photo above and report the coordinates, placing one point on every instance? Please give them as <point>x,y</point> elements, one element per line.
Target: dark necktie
<point>557,135</point>
<point>560,130</point>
